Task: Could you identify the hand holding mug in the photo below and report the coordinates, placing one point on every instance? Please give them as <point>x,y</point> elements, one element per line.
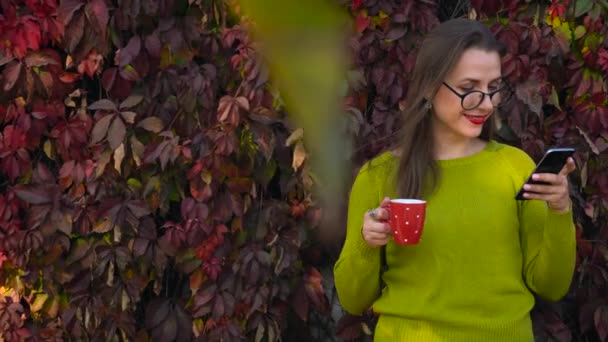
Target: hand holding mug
<point>376,230</point>
<point>403,219</point>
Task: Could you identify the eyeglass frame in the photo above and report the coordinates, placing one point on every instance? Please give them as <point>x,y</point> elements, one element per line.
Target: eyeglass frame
<point>484,94</point>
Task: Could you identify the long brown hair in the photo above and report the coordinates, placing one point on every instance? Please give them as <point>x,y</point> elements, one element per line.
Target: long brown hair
<point>440,51</point>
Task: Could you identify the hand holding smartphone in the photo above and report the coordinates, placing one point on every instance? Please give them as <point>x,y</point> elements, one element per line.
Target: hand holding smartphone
<point>552,162</point>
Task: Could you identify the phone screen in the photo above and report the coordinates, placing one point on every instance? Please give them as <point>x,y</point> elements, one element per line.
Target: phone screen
<point>553,161</point>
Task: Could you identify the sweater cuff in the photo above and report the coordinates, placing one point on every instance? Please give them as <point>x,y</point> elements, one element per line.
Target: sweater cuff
<point>560,224</point>
<point>366,252</point>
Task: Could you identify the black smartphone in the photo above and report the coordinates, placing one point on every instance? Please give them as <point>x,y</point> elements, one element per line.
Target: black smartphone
<point>552,162</point>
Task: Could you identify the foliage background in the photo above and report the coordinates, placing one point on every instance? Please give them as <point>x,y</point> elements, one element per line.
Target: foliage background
<point>152,186</point>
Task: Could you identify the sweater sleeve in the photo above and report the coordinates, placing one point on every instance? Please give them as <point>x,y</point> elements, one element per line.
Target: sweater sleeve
<point>548,246</point>
<point>357,270</point>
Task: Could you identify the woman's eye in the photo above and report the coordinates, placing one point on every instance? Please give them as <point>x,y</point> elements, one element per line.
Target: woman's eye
<point>467,89</point>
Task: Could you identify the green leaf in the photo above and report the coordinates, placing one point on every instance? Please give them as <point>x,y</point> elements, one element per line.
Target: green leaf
<point>134,183</point>
<point>579,32</point>
<point>582,7</point>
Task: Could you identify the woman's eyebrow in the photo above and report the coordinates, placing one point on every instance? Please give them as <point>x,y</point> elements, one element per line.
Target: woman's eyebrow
<point>473,80</point>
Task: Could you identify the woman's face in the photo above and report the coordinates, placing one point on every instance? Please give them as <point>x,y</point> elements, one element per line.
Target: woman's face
<point>475,70</point>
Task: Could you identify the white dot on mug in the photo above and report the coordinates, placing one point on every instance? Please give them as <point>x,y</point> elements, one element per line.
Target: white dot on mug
<point>416,232</point>
<point>404,240</point>
<point>407,208</point>
<point>395,216</point>
<point>417,215</point>
<point>395,232</point>
<point>407,222</point>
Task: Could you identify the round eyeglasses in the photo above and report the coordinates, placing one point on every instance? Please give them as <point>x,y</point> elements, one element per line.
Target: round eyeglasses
<point>472,99</point>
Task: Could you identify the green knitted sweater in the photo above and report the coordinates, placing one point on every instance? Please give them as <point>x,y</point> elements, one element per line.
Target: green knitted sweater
<point>482,257</point>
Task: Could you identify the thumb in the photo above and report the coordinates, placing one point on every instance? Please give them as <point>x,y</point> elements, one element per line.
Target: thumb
<point>569,167</point>
<point>385,202</point>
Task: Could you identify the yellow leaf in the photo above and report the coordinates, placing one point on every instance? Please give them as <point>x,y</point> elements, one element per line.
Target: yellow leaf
<point>39,302</point>
<point>299,156</point>
<point>119,155</point>
<point>580,31</point>
<point>49,150</point>
<point>134,183</point>
<point>166,58</point>
<point>69,62</point>
<point>206,176</point>
<point>20,101</point>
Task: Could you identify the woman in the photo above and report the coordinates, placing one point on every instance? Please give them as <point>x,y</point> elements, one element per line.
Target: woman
<point>483,255</point>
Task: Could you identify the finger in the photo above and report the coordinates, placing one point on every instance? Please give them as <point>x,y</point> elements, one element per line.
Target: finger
<point>385,202</point>
<point>549,178</point>
<point>382,214</point>
<point>544,197</point>
<point>376,236</point>
<point>569,167</point>
<point>376,227</point>
<point>545,189</point>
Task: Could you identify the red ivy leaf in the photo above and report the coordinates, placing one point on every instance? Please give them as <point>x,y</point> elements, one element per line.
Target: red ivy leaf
<point>362,21</point>
<point>314,289</point>
<point>301,303</point>
<point>601,322</point>
<point>127,54</point>
<point>98,10</point>
<point>74,32</point>
<point>11,74</point>
<point>348,327</point>
<point>33,195</point>
<point>36,59</point>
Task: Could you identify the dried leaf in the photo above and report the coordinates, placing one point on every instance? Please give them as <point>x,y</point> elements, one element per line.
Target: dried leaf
<point>152,124</point>
<point>119,155</point>
<point>295,136</point>
<point>36,59</point>
<point>131,101</point>
<point>103,161</point>
<point>100,129</point>
<point>103,226</point>
<point>103,104</point>
<point>116,133</point>
<point>129,117</point>
<point>137,149</point>
<point>299,156</point>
